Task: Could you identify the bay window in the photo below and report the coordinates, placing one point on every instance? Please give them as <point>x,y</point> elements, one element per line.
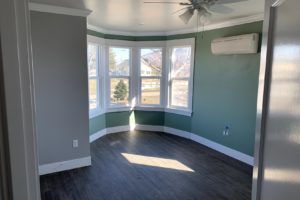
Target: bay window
<point>180,71</point>
<point>180,75</point>
<point>150,76</point>
<point>94,78</point>
<point>119,63</point>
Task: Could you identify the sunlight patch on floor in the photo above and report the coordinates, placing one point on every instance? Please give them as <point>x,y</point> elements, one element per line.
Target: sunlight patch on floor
<point>156,162</point>
<point>132,121</point>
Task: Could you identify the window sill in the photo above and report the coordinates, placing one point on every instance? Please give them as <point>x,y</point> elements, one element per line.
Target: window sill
<point>179,112</point>
<point>119,109</point>
<point>142,108</point>
<point>95,113</point>
<point>149,108</point>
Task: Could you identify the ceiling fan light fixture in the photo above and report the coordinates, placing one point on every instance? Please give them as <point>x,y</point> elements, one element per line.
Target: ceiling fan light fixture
<point>204,16</point>
<point>187,15</point>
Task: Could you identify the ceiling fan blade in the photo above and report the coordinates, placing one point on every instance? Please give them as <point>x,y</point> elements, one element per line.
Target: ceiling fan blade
<point>187,15</point>
<point>219,8</point>
<point>164,2</point>
<point>204,16</point>
<point>229,1</point>
<point>170,2</point>
<point>173,2</point>
<point>177,11</point>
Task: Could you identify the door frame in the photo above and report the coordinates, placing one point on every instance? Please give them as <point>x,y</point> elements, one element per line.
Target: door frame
<point>19,100</point>
<point>263,95</point>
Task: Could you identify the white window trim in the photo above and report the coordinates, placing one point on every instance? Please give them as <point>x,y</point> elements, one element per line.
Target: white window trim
<point>150,45</point>
<point>144,45</point>
<point>135,78</point>
<point>100,87</point>
<point>118,44</point>
<point>177,109</point>
<point>108,78</point>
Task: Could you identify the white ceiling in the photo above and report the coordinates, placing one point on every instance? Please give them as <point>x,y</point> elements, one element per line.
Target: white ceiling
<point>135,16</point>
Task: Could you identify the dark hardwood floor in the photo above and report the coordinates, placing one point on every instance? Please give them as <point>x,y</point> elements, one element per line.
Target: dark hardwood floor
<point>113,175</point>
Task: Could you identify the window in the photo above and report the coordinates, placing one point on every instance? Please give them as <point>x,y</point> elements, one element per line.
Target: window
<point>147,75</point>
<point>119,73</point>
<point>180,77</point>
<point>94,79</point>
<point>150,73</point>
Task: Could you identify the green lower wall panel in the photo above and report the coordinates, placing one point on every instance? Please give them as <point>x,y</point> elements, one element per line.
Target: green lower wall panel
<point>114,119</point>
<point>225,92</point>
<point>180,122</point>
<point>97,124</point>
<point>149,118</point>
<point>117,119</point>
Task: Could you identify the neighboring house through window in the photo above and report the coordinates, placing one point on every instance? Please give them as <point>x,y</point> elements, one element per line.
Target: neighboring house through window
<point>150,73</point>
<point>126,75</point>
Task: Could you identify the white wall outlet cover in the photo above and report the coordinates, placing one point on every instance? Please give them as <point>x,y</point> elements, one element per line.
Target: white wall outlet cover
<point>75,143</point>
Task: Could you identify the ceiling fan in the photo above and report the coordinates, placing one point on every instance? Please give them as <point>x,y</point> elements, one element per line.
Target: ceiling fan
<point>204,8</point>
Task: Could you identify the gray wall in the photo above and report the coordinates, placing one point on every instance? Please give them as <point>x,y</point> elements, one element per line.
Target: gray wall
<point>61,86</point>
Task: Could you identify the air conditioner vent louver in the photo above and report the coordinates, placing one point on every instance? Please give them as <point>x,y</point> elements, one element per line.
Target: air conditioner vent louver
<point>242,44</point>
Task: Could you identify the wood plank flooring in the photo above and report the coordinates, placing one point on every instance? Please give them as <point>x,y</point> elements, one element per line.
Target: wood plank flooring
<point>112,176</point>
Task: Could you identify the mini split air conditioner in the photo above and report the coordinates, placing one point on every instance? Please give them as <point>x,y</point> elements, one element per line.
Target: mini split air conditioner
<point>242,44</point>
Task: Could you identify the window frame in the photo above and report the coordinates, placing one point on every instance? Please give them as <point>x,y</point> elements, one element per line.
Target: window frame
<point>190,42</point>
<point>161,78</point>
<point>96,111</point>
<point>100,42</point>
<point>118,107</point>
<point>135,78</point>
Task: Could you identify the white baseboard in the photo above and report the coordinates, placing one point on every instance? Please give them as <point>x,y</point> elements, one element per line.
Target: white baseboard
<point>97,135</point>
<point>64,165</point>
<point>117,129</point>
<point>213,145</point>
<point>223,149</point>
<point>140,127</point>
<point>177,132</point>
<point>107,131</point>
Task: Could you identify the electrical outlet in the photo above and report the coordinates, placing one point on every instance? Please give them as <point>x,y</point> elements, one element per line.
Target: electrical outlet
<point>226,131</point>
<point>75,143</point>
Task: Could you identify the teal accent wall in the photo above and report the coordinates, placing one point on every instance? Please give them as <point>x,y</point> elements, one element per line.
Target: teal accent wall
<point>225,92</point>
<point>97,124</point>
<point>113,119</point>
<point>117,119</point>
<point>149,118</point>
<point>180,122</point>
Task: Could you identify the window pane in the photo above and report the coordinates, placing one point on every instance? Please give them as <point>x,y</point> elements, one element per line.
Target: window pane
<point>119,91</point>
<point>180,93</point>
<point>150,91</point>
<point>119,61</point>
<point>92,59</point>
<point>181,62</point>
<point>151,62</point>
<point>93,93</point>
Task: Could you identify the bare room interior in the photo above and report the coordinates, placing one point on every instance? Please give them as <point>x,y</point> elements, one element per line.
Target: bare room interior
<point>148,99</point>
